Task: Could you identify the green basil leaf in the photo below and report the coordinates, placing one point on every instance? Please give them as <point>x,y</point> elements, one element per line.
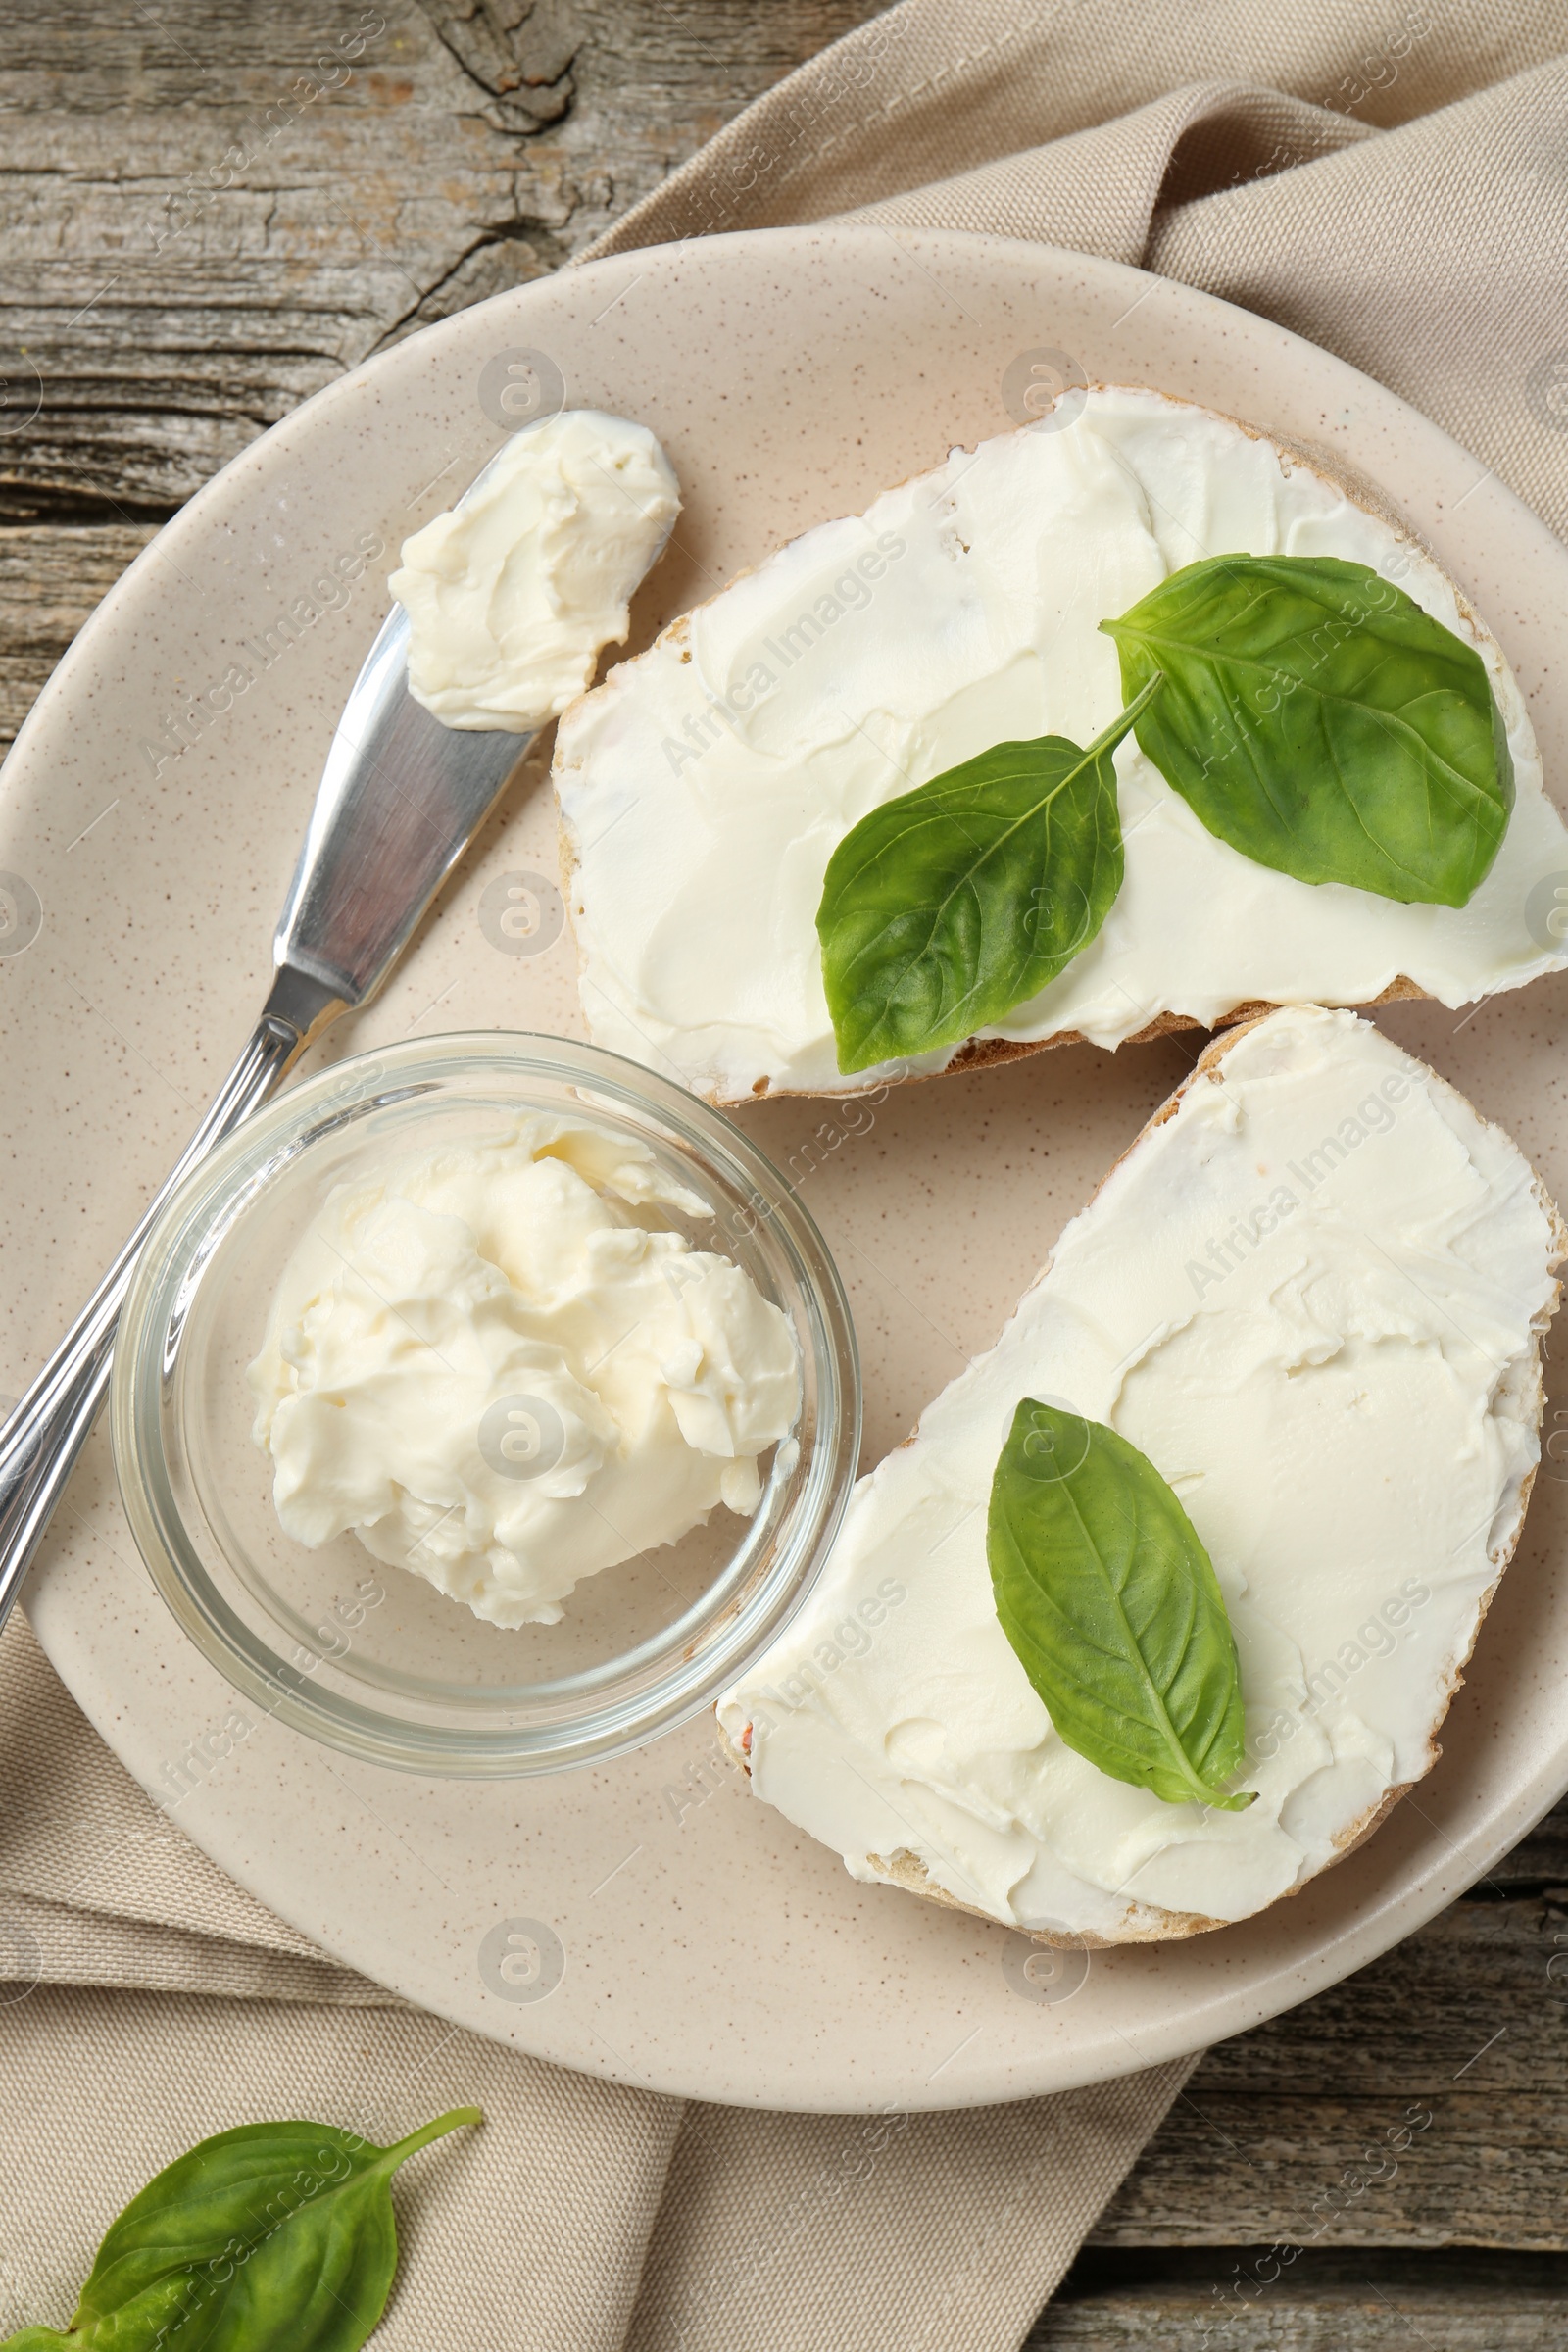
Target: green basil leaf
<point>1317,719</point>
<point>943,910</point>
<point>278,2238</point>
<point>1110,1602</point>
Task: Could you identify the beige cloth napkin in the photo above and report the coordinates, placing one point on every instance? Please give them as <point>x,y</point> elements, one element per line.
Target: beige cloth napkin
<point>582,2217</point>
<point>1388,177</point>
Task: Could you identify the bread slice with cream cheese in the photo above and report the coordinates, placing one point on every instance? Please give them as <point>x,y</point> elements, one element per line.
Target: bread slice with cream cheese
<point>705,784</point>
<point>1312,1292</point>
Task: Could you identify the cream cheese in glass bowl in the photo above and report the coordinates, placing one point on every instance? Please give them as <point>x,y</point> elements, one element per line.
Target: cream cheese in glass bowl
<point>486,1406</point>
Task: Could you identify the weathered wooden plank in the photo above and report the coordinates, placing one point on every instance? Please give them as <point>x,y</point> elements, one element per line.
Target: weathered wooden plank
<point>1484,2168</point>
<point>1501,2323</point>
<point>1477,1975</point>
<point>1422,2102</point>
<point>1245,2299</point>
<point>50,580</point>
<point>209,209</point>
<point>1538,1860</point>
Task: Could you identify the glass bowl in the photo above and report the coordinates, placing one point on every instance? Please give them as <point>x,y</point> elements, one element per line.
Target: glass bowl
<point>371,1658</point>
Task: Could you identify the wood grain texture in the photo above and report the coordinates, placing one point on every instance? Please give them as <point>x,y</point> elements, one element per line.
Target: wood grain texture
<point>212,208</point>
<point>50,579</point>
<point>1246,2300</point>
<point>1294,2131</point>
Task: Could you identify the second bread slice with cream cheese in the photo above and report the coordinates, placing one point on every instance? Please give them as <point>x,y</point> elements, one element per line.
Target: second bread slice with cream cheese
<point>706,784</point>
<point>1312,1294</point>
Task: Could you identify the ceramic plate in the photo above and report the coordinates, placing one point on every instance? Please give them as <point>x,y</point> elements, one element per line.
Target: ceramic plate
<point>690,1940</point>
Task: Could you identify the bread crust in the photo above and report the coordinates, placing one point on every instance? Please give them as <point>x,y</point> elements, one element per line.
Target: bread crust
<point>1149,1923</point>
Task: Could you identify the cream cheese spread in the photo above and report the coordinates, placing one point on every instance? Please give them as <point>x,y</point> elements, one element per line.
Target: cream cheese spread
<point>1312,1296</point>
<point>705,785</point>
<point>512,593</point>
<point>496,1368</point>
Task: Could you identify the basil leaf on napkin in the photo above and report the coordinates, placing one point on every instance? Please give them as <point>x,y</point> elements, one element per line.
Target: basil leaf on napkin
<point>943,910</point>
<point>1110,1602</point>
<point>1318,721</point>
<point>278,2238</point>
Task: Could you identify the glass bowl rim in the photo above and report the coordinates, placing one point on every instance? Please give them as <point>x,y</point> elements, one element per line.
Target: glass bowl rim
<point>214,1197</point>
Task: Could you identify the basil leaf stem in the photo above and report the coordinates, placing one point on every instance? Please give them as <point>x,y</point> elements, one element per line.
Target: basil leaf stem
<point>1112,1607</point>
<point>945,908</point>
<point>276,2238</point>
<point>1322,723</point>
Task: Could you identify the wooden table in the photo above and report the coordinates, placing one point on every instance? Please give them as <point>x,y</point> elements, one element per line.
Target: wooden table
<point>442,158</point>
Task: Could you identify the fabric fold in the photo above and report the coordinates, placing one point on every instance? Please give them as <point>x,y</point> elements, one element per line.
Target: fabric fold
<point>78,1831</point>
<point>805,2222</point>
<point>528,2232</point>
<point>1097,189</point>
<point>933,88</point>
<point>1434,258</point>
<point>61,1943</point>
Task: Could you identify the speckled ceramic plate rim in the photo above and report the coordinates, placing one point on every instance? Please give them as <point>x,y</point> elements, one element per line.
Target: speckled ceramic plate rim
<point>915,1984</point>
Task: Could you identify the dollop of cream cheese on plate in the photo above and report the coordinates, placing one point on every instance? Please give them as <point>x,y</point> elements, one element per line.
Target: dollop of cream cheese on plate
<point>512,593</point>
<point>493,1365</point>
<point>1312,1296</point>
<point>705,785</point>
